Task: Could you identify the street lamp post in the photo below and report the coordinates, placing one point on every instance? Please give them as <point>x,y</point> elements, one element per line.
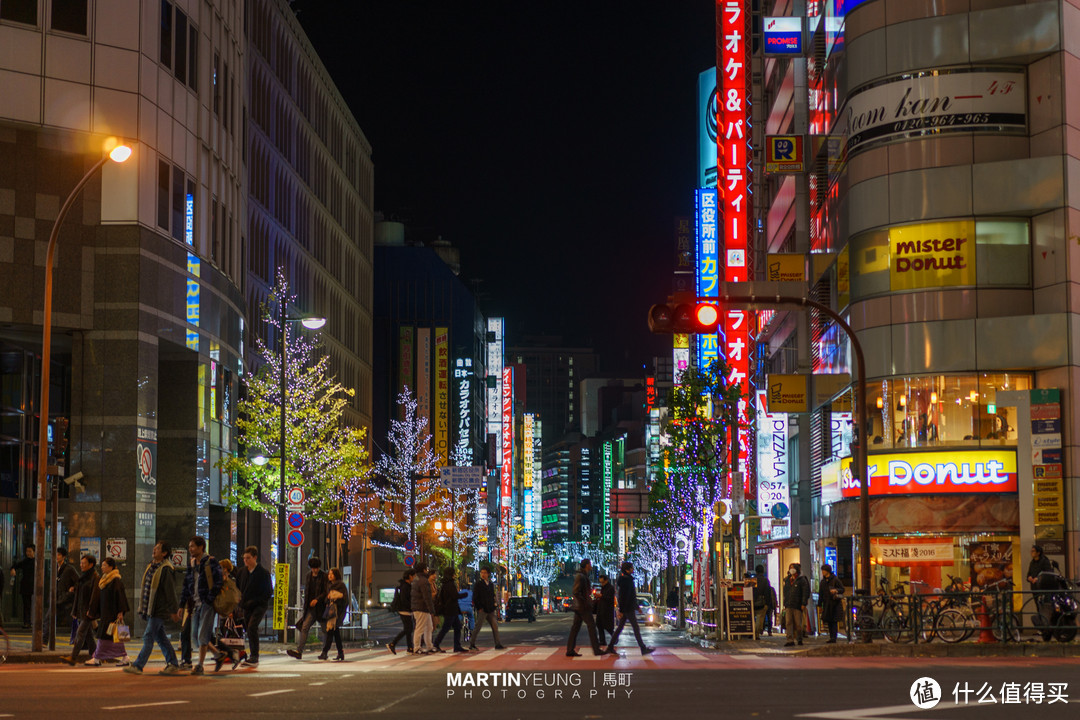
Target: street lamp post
<point>312,323</point>
<point>118,154</point>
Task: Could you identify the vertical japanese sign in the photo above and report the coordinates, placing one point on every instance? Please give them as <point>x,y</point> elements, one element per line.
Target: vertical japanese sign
<point>281,595</point>
<point>707,266</point>
<point>609,477</point>
<point>442,396</point>
<point>506,480</point>
<point>192,301</point>
<point>733,160</point>
<point>423,377</point>
<point>463,374</point>
<point>527,470</point>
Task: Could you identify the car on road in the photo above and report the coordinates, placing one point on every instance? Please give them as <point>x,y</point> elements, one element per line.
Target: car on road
<point>523,607</point>
<point>566,604</point>
<point>647,610</point>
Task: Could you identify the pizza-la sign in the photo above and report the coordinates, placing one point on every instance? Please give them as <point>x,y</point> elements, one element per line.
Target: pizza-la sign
<point>931,473</point>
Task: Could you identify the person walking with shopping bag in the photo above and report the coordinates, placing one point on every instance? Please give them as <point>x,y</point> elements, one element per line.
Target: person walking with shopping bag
<point>337,604</point>
<point>109,605</point>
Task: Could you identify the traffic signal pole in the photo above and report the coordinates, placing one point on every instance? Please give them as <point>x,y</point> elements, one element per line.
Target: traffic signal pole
<point>858,468</point>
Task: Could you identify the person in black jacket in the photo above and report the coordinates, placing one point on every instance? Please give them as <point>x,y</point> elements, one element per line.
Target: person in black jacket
<point>763,597</point>
<point>1041,575</point>
<point>447,605</point>
<point>26,582</point>
<point>402,605</point>
<point>582,612</point>
<point>66,578</point>
<point>831,600</point>
<point>605,609</point>
<point>628,606</point>
<point>316,586</point>
<point>108,605</point>
<point>484,607</point>
<point>253,580</point>
<point>84,593</point>
<point>796,597</point>
<point>337,604</point>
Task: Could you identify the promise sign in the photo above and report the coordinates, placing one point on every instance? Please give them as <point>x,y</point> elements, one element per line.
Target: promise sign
<point>939,254</point>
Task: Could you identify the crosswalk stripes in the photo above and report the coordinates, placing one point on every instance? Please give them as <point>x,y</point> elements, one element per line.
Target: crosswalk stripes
<point>540,653</point>
<point>687,654</point>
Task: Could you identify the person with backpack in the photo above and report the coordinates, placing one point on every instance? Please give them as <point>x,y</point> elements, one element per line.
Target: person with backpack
<point>446,603</point>
<point>202,585</point>
<point>315,588</point>
<point>402,605</point>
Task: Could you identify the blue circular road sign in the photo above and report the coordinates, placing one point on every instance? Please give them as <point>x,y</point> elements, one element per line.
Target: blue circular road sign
<point>410,545</point>
<point>410,560</point>
<point>296,520</point>
<point>780,510</point>
<point>296,538</point>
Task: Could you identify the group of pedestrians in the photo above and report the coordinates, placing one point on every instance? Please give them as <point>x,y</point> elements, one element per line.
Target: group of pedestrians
<point>327,600</point>
<point>605,609</point>
<point>795,597</point>
<point>418,600</point>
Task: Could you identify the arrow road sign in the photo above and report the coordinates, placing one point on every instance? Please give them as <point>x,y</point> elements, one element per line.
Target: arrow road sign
<point>469,477</point>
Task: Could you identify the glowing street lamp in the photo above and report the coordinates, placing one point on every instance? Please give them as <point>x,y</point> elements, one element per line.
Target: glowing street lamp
<point>115,151</point>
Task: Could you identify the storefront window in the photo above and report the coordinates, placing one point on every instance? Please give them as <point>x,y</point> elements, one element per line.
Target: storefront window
<point>976,560</point>
<point>943,410</point>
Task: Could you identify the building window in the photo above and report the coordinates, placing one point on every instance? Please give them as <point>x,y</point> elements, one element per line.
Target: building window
<point>163,195</point>
<point>69,16</point>
<point>214,84</point>
<point>20,11</point>
<point>174,188</point>
<point>193,59</point>
<point>180,66</point>
<point>178,204</point>
<point>166,33</point>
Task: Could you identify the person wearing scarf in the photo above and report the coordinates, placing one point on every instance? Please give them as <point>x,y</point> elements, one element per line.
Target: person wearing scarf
<point>109,604</point>
<point>157,604</point>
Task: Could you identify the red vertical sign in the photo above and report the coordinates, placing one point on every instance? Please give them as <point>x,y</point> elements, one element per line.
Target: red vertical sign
<point>734,162</point>
<point>507,470</point>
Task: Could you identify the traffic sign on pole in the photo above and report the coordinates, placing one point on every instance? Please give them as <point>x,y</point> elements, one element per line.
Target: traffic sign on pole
<point>296,538</point>
<point>410,560</point>
<point>469,477</point>
<point>296,520</point>
<point>296,496</point>
<point>410,546</point>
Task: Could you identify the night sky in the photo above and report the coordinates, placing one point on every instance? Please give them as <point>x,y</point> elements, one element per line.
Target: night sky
<point>553,143</point>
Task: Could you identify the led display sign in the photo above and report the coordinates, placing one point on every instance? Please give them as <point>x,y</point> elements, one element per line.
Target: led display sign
<point>783,36</point>
<point>928,473</point>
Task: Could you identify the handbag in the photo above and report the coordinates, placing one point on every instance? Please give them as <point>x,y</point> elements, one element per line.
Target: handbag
<point>121,633</point>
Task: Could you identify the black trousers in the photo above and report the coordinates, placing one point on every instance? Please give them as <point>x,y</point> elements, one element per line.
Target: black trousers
<point>587,618</point>
<point>448,622</point>
<point>631,618</point>
<point>252,620</point>
<point>27,605</point>
<point>407,631</point>
<point>334,635</point>
<point>185,640</point>
<point>84,636</point>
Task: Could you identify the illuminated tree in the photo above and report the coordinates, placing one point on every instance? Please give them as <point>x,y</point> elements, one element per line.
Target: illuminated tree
<point>322,454</point>
<point>404,477</point>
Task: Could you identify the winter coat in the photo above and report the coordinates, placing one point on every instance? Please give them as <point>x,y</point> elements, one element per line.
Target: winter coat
<point>67,577</point>
<point>605,607</point>
<point>402,597</point>
<point>255,588</point>
<point>796,592</point>
<point>422,600</point>
<point>84,593</point>
<point>336,610</point>
<point>762,592</point>
<point>483,596</point>
<point>628,602</point>
<point>832,605</point>
<point>207,591</point>
<point>108,601</point>
<point>315,588</point>
<point>581,592</point>
<point>448,600</point>
<point>26,582</point>
<point>1042,582</point>
<point>163,602</point>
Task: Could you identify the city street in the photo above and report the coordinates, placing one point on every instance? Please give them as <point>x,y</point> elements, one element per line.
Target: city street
<point>678,677</point>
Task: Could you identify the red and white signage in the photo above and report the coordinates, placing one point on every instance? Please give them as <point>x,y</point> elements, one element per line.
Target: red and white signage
<point>932,473</point>
<point>903,552</point>
<point>733,160</point>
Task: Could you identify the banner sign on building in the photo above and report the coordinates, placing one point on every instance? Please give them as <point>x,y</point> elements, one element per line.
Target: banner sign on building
<point>608,470</point>
<point>787,393</point>
<point>707,118</point>
<point>463,375</point>
<point>937,254</point>
<point>783,35</point>
<point>494,386</point>
<point>507,474</point>
<point>772,470</point>
<point>904,552</point>
<point>934,102</point>
<point>784,154</point>
<point>734,156</point>
<point>281,595</point>
<point>932,473</point>
<point>707,264</point>
<point>423,377</point>
<point>442,396</point>
<point>527,472</point>
<point>785,267</point>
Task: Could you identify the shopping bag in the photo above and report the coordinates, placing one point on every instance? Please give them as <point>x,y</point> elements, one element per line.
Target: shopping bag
<point>121,633</point>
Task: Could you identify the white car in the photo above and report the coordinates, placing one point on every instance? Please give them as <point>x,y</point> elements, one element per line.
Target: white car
<point>647,611</point>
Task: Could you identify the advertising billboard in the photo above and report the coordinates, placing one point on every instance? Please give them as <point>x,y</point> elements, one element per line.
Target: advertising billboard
<point>442,396</point>
<point>707,263</point>
<point>493,414</point>
<point>507,469</point>
<point>463,373</point>
<point>423,377</point>
<point>783,35</point>
<point>707,117</point>
<point>928,473</point>
<point>527,470</point>
<point>774,495</point>
<point>936,254</point>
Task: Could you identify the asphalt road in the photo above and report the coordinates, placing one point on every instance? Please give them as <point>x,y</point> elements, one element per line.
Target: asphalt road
<point>679,678</point>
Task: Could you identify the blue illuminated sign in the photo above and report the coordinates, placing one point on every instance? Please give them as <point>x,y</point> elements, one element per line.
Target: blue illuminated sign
<point>707,265</point>
<point>783,36</point>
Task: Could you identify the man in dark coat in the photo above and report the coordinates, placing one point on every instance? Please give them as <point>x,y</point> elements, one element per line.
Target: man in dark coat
<point>316,585</point>
<point>256,590</point>
<point>582,612</point>
<point>796,598</point>
<point>605,609</point>
<point>26,582</point>
<point>484,607</point>
<point>1040,574</point>
<point>202,584</point>
<point>157,603</point>
<point>66,579</point>
<point>831,600</point>
<point>628,606</point>
<point>84,593</point>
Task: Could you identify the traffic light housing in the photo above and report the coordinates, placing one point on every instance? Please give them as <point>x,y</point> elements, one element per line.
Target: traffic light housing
<point>60,440</point>
<point>685,318</point>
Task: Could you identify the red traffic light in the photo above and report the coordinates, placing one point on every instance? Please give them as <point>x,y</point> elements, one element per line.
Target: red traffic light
<point>698,318</point>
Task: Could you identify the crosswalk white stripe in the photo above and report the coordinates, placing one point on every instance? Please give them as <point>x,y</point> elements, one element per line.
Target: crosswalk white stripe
<point>540,653</point>
<point>686,654</point>
<point>482,655</point>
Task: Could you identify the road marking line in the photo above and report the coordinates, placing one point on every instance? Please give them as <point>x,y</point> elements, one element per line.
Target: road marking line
<point>687,654</point>
<point>143,705</point>
<point>482,655</point>
<point>319,683</point>
<point>391,704</point>
<point>540,653</point>
<point>875,713</point>
<point>272,692</point>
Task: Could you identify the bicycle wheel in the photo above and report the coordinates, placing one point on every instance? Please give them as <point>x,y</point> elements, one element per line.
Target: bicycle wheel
<point>1066,628</point>
<point>951,626</point>
<point>865,625</point>
<point>1005,628</point>
<point>894,627</point>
